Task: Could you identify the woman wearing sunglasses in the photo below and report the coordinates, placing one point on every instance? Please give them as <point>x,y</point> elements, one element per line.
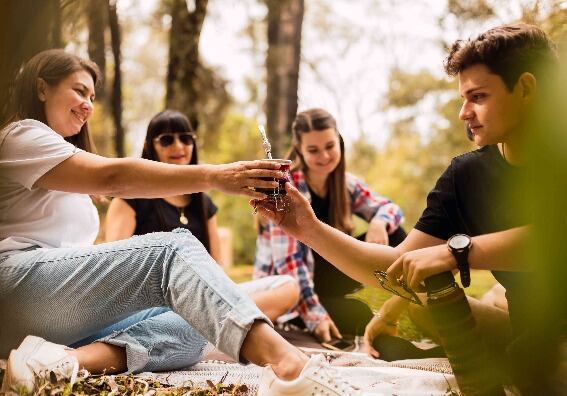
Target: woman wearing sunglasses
<point>170,139</point>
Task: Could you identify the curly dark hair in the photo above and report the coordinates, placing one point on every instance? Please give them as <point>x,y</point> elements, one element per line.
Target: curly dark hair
<point>507,51</point>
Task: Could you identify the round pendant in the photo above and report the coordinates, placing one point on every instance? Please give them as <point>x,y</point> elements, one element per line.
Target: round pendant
<point>183,220</point>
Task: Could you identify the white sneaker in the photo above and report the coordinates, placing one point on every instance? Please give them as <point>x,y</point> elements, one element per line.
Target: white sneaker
<point>36,357</point>
<point>316,378</point>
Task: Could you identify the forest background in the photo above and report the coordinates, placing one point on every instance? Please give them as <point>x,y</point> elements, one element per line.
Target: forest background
<point>230,65</point>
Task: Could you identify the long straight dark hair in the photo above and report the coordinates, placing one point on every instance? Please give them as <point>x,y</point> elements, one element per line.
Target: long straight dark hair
<point>174,122</point>
<point>52,66</point>
<point>339,197</point>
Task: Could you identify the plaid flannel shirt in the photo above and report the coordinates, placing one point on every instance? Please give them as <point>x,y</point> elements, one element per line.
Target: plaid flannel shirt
<point>278,253</point>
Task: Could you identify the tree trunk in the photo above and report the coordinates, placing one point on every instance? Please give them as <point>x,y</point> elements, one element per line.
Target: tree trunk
<point>116,99</point>
<point>285,18</point>
<point>26,28</point>
<point>97,10</point>
<point>55,36</point>
<point>182,86</point>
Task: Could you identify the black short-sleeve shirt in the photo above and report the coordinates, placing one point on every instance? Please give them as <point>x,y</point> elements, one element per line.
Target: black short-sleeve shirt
<point>154,215</point>
<point>474,197</point>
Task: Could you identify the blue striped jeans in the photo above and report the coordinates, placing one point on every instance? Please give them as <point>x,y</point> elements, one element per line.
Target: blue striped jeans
<point>67,294</point>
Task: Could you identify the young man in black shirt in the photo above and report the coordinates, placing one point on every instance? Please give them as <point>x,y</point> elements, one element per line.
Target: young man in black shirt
<point>500,77</point>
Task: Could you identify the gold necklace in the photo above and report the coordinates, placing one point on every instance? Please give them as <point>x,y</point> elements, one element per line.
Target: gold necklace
<point>182,218</point>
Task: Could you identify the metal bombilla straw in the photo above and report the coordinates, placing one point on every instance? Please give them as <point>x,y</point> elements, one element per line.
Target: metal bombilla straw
<point>268,150</point>
<point>265,142</point>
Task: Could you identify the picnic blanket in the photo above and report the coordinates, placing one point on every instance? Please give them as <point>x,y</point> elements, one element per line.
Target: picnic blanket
<point>373,376</point>
<point>429,377</point>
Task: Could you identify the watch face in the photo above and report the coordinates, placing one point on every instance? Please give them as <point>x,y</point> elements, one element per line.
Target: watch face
<point>459,241</point>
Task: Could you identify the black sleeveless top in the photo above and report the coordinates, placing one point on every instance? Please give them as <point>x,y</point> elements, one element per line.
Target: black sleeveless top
<point>153,215</point>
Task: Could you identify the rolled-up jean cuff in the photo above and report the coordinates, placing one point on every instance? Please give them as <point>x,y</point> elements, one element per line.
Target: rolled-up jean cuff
<point>137,356</point>
<point>231,337</point>
<point>234,332</point>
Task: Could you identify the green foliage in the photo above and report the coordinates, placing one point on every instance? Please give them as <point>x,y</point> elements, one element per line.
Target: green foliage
<point>407,89</point>
<point>406,168</point>
<point>214,100</point>
<point>393,171</point>
<point>556,26</point>
<point>470,9</point>
<point>237,139</point>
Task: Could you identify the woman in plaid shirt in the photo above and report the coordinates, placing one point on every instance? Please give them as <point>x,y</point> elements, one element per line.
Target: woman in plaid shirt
<point>318,172</point>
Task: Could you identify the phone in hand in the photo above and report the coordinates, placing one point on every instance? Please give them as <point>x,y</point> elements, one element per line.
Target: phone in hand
<point>339,344</point>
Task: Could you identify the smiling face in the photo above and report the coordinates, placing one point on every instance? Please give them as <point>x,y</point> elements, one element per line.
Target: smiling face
<point>176,153</point>
<point>69,104</point>
<point>321,150</point>
<point>492,112</point>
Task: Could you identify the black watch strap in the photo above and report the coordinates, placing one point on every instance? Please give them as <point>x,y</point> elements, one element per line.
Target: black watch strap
<point>462,257</point>
<point>460,245</point>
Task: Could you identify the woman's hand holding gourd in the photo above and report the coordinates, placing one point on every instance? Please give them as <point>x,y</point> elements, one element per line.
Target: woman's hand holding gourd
<point>244,177</point>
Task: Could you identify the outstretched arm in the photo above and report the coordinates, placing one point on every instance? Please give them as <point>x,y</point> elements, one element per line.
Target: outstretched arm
<point>138,178</point>
<point>355,258</point>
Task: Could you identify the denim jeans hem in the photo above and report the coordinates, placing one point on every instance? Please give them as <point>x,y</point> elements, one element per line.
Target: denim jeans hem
<point>232,336</point>
<point>137,356</point>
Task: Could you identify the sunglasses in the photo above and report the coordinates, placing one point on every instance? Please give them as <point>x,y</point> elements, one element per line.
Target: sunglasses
<point>167,139</point>
<point>403,290</point>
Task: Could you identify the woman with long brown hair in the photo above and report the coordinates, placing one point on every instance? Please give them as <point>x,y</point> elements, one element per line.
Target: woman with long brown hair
<point>318,172</point>
<point>57,285</point>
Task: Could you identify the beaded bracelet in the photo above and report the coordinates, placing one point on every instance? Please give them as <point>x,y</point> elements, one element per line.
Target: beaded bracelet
<point>386,322</point>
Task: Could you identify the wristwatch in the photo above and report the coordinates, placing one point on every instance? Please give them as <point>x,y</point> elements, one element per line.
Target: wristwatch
<point>460,245</point>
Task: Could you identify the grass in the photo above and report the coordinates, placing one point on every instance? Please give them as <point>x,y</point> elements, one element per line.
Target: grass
<point>481,282</point>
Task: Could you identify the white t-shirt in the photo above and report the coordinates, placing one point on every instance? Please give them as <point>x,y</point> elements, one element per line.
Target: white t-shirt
<point>34,216</point>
